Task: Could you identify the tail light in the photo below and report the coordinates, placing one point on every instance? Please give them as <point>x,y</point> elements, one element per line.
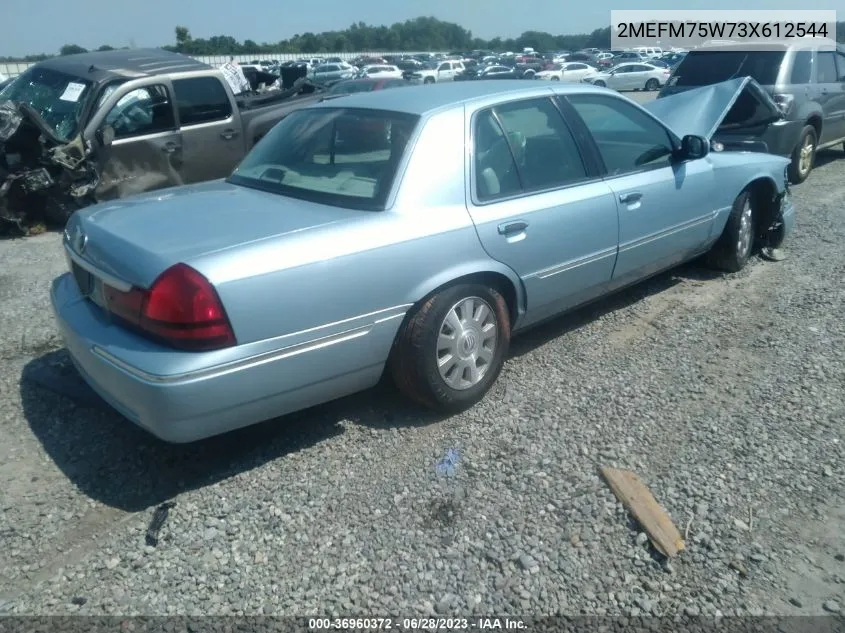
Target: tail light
<point>181,308</point>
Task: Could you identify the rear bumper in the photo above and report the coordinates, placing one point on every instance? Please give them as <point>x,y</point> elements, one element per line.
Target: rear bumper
<point>184,407</point>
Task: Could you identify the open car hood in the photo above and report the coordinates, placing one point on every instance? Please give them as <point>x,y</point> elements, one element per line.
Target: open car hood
<point>728,104</point>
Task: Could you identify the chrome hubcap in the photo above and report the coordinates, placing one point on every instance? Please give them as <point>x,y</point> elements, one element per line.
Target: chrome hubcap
<point>743,244</point>
<point>806,156</point>
<point>466,343</point>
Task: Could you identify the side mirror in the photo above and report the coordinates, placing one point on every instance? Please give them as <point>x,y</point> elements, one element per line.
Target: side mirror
<point>105,135</point>
<point>694,147</point>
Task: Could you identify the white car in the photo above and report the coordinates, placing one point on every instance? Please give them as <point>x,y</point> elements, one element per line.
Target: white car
<point>634,76</point>
<point>649,51</point>
<point>444,71</point>
<point>381,71</point>
<point>567,71</point>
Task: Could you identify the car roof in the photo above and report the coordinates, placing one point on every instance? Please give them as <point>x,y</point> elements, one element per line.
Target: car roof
<point>771,45</point>
<point>103,65</point>
<point>426,99</point>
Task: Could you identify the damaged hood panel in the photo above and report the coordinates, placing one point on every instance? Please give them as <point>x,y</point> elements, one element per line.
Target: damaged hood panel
<point>43,179</point>
<point>703,111</point>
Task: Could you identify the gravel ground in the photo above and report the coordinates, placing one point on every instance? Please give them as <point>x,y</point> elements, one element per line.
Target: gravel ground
<point>723,393</point>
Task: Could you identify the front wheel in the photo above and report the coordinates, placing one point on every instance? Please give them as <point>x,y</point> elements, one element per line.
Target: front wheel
<point>600,84</point>
<point>803,156</point>
<point>733,249</point>
<point>451,350</point>
<point>652,85</point>
<point>428,80</point>
<point>555,78</point>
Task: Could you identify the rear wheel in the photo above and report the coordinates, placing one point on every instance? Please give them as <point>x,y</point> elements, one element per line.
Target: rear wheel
<point>803,156</point>
<point>652,84</point>
<point>450,352</point>
<point>734,247</point>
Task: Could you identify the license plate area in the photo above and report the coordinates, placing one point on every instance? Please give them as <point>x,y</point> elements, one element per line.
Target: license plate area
<point>89,285</point>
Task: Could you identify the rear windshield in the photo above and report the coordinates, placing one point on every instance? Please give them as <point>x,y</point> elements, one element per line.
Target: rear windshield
<point>339,156</point>
<point>702,68</point>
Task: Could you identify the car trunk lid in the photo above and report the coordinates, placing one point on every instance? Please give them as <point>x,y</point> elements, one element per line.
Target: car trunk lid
<point>135,239</point>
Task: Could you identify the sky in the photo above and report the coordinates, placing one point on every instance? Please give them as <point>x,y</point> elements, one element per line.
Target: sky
<point>43,26</point>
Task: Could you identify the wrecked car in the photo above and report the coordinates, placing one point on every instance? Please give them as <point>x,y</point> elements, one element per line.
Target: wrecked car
<point>536,198</point>
<point>97,126</point>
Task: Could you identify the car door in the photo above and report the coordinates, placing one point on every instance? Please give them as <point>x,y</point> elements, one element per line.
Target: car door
<point>212,138</point>
<point>620,79</point>
<point>638,76</point>
<point>443,71</point>
<point>830,93</point>
<point>577,71</point>
<point>539,207</point>
<point>666,207</point>
<point>146,152</point>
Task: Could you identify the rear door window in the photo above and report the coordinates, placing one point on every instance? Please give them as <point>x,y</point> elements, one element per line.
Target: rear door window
<point>201,100</point>
<point>702,68</point>
<point>802,67</point>
<point>826,67</point>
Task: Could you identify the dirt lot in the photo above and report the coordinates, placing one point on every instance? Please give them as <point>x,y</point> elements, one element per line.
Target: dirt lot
<point>724,393</point>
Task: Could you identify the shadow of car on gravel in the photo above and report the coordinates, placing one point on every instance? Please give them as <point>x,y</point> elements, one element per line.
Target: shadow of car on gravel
<point>120,465</point>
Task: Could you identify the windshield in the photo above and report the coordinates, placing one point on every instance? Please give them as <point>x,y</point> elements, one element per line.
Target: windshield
<point>339,156</point>
<point>57,97</point>
<point>702,68</point>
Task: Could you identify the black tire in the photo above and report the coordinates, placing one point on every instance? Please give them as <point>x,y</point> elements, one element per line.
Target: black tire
<point>600,84</point>
<point>428,80</point>
<point>797,175</point>
<point>555,78</point>
<point>414,359</point>
<point>735,246</point>
<point>652,84</point>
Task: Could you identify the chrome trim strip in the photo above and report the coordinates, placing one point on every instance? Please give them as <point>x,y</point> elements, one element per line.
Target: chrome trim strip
<point>258,359</point>
<point>111,280</point>
<point>403,308</point>
<point>667,232</point>
<point>145,137</point>
<point>574,263</point>
<point>265,357</point>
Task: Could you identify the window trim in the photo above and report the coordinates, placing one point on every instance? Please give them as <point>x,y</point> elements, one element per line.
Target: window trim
<point>139,136</point>
<point>606,175</point>
<point>591,177</point>
<point>200,125</point>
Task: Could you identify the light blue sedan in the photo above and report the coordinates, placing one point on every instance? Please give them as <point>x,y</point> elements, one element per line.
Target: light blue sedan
<point>411,231</point>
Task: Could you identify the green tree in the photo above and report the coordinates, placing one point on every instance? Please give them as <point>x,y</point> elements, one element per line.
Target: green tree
<point>71,49</point>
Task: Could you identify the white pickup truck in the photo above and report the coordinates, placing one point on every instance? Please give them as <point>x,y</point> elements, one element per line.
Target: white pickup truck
<point>443,71</point>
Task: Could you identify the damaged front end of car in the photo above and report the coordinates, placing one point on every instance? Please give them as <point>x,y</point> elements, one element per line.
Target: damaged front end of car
<point>43,179</point>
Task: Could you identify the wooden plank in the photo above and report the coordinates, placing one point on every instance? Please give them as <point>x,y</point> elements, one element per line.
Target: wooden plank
<point>634,494</point>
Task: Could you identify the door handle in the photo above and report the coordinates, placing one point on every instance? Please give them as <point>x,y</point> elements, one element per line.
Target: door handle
<point>631,197</point>
<point>228,134</point>
<point>169,147</point>
<point>512,227</point>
